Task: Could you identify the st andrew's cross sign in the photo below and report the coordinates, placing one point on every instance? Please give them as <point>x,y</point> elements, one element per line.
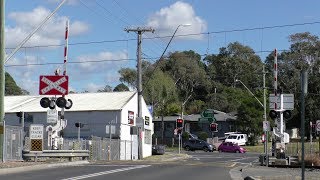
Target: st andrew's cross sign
<point>53,85</point>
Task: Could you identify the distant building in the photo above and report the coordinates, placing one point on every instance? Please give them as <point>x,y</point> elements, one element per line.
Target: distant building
<point>95,111</point>
<point>226,123</point>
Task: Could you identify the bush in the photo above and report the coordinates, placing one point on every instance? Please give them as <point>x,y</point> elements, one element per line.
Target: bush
<point>185,135</point>
<point>203,136</point>
<point>311,160</point>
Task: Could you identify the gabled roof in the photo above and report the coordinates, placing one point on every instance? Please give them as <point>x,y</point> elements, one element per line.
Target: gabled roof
<point>81,102</point>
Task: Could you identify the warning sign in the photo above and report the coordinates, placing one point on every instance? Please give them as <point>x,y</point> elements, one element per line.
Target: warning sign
<point>36,137</point>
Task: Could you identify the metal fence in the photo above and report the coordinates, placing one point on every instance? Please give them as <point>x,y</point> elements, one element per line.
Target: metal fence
<point>13,143</point>
<point>100,148</point>
<point>294,148</point>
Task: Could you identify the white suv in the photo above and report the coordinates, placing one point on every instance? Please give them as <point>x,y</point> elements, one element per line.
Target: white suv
<point>240,139</point>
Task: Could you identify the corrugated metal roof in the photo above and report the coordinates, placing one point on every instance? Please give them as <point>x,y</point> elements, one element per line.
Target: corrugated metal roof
<point>81,102</point>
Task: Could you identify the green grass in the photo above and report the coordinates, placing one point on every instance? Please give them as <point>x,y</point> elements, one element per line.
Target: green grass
<point>257,148</point>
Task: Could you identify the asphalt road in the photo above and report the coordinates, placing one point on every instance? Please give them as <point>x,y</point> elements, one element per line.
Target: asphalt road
<point>200,165</point>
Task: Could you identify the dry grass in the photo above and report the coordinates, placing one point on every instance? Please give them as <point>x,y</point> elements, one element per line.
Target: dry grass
<point>311,160</point>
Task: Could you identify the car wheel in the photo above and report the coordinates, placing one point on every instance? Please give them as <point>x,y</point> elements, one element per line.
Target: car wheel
<point>187,148</point>
<point>237,151</point>
<point>205,149</point>
<point>220,150</point>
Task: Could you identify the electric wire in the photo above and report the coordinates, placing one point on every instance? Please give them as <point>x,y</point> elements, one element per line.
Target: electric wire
<point>153,59</point>
<point>181,35</point>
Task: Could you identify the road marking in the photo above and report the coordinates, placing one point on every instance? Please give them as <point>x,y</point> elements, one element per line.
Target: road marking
<point>232,165</point>
<point>105,172</point>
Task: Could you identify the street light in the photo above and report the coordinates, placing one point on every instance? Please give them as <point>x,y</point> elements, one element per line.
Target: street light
<point>183,25</point>
<point>264,109</point>
<point>237,80</point>
<point>162,123</point>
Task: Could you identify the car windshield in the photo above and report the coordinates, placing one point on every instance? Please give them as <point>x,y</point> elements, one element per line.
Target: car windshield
<point>232,137</point>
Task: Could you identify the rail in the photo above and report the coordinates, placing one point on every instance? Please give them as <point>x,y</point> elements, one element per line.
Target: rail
<point>70,154</point>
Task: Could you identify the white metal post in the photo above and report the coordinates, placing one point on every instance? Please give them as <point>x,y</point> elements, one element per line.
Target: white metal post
<point>179,142</point>
<point>79,132</point>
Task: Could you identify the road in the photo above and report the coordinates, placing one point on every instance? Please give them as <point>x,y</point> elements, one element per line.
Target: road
<point>200,165</point>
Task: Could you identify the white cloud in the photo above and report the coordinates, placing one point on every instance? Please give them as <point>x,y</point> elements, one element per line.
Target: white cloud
<point>26,77</point>
<point>51,33</point>
<point>111,60</point>
<point>91,87</point>
<point>70,2</point>
<point>167,19</point>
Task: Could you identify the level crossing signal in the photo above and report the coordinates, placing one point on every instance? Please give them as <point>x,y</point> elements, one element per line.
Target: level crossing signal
<point>276,114</point>
<point>61,102</point>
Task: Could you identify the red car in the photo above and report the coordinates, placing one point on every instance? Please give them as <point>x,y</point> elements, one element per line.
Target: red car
<point>231,147</point>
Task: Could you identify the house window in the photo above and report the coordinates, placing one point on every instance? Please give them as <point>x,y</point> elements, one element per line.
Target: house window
<point>147,136</point>
<point>169,125</point>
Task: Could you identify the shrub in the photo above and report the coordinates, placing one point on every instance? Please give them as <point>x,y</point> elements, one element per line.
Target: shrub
<point>311,160</point>
<point>203,136</point>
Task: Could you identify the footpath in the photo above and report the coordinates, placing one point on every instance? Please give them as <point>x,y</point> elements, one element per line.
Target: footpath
<point>255,171</point>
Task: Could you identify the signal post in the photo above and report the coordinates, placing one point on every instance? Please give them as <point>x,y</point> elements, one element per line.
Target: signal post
<point>280,108</point>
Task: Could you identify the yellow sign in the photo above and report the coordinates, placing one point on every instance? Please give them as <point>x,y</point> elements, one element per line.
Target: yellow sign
<point>36,145</point>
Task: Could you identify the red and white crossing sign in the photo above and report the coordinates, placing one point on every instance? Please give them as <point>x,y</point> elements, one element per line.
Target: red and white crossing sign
<point>53,85</point>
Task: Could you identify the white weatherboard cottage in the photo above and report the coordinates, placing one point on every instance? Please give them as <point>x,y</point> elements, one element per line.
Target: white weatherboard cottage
<point>95,111</point>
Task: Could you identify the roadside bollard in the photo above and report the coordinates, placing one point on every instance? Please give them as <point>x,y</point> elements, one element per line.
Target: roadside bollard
<point>109,153</point>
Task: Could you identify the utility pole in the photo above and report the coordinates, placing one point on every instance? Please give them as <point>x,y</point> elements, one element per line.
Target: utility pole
<point>139,31</point>
<point>2,76</point>
<point>265,115</point>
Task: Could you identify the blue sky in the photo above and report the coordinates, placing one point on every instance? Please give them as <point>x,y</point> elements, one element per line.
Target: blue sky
<point>97,33</point>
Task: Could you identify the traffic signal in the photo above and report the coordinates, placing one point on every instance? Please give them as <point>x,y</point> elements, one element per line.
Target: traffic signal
<point>19,114</point>
<point>179,123</point>
<point>214,127</point>
<point>78,124</point>
<point>313,128</point>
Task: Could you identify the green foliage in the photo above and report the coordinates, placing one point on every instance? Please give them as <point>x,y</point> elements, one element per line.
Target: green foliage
<point>203,135</point>
<point>107,88</point>
<point>121,87</point>
<point>184,78</point>
<point>185,135</point>
<point>128,76</point>
<point>11,87</point>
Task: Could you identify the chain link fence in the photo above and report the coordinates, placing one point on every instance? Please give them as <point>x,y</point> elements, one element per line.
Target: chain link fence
<point>99,148</point>
<point>13,143</point>
<point>294,148</point>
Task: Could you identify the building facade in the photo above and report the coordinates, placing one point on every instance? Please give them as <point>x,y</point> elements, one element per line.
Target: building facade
<point>96,111</point>
<point>194,125</point>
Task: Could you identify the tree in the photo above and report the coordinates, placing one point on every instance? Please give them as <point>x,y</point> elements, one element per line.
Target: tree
<point>121,87</point>
<point>107,88</point>
<point>189,74</point>
<point>128,76</point>
<point>11,87</point>
<point>160,91</point>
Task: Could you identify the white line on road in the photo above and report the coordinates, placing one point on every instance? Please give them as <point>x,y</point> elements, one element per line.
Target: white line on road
<point>106,172</point>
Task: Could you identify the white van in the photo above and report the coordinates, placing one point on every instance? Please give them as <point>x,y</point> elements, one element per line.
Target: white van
<point>240,139</point>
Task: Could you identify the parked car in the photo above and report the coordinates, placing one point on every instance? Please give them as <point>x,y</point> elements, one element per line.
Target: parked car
<point>231,147</point>
<point>240,139</point>
<point>158,149</point>
<point>197,144</point>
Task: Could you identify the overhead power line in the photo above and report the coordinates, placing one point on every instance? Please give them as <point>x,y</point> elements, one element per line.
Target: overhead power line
<point>153,59</point>
<point>181,35</point>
